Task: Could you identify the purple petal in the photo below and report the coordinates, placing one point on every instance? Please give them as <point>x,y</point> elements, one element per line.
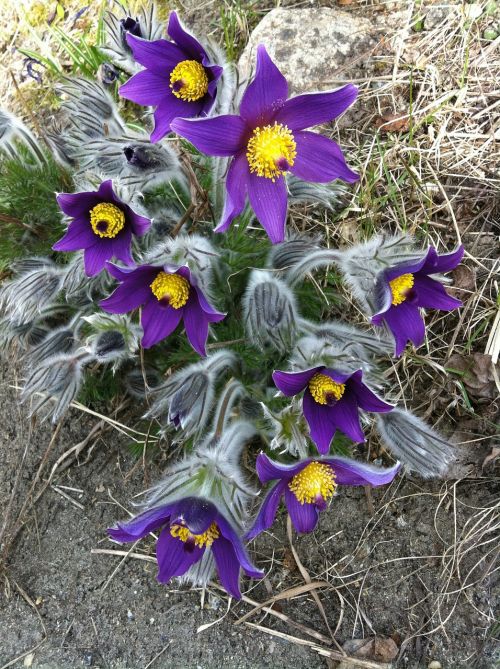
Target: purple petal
<point>218,136</point>
<point>129,295</point>
<point>228,567</point>
<point>170,108</point>
<point>212,315</point>
<point>236,190</point>
<point>107,194</point>
<point>267,512</point>
<point>406,324</point>
<point>230,533</point>
<point>351,472</point>
<point>303,516</point>
<point>344,415</point>
<point>410,267</point>
<point>140,224</point>
<point>320,159</point>
<point>266,94</point>
<point>269,202</point>
<point>365,397</point>
<point>95,256</point>
<point>77,204</point>
<point>140,525</point>
<point>121,246</point>
<point>320,423</point>
<point>159,56</point>
<point>78,236</point>
<point>432,295</point>
<point>435,263</point>
<point>146,88</point>
<point>173,556</point>
<point>158,322</point>
<point>292,383</point>
<point>269,470</point>
<point>196,325</point>
<point>144,274</point>
<point>197,513</point>
<point>304,111</point>
<point>184,40</point>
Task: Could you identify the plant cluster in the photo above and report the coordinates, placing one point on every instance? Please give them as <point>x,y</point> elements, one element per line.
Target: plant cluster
<point>141,282</point>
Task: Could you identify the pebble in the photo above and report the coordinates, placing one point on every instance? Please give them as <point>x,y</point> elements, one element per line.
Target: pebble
<point>434,665</point>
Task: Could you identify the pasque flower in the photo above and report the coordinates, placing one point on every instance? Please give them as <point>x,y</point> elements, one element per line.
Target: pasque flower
<point>268,139</point>
<point>102,226</point>
<point>188,527</point>
<point>167,294</point>
<point>332,400</point>
<point>403,289</point>
<point>179,79</point>
<point>309,485</point>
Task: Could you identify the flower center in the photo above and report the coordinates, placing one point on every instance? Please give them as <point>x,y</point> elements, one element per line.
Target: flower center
<point>107,220</point>
<point>315,483</point>
<point>201,540</point>
<point>400,287</point>
<point>325,390</point>
<point>189,80</point>
<point>271,151</point>
<point>171,288</point>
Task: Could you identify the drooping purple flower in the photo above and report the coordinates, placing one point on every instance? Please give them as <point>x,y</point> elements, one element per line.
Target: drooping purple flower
<point>331,401</point>
<point>402,290</point>
<point>188,528</point>
<point>267,140</point>
<point>179,79</point>
<point>102,226</point>
<point>309,485</point>
<point>168,294</point>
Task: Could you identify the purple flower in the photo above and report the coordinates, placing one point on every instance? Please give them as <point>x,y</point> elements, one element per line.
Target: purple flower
<point>331,401</point>
<point>167,295</point>
<point>402,290</point>
<point>178,80</point>
<point>189,527</point>
<point>268,139</point>
<point>309,485</point>
<point>102,225</point>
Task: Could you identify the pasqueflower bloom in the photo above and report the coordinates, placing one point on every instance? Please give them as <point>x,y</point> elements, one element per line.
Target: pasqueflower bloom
<point>167,295</point>
<point>178,80</point>
<point>268,139</point>
<point>188,527</point>
<point>309,485</point>
<point>102,225</point>
<point>405,288</point>
<point>331,401</point>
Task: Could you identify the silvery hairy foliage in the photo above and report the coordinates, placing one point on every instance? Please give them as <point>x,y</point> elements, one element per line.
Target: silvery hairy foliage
<point>119,21</point>
<point>329,196</point>
<point>31,290</point>
<point>55,383</point>
<point>59,340</point>
<point>288,431</point>
<point>270,312</point>
<point>419,447</point>
<point>292,251</point>
<point>13,130</point>
<point>78,288</point>
<point>362,343</point>
<point>187,398</point>
<point>114,337</point>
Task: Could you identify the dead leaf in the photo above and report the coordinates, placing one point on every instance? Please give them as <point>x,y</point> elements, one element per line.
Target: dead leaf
<point>490,459</point>
<point>392,123</point>
<point>476,374</point>
<point>464,278</point>
<point>289,561</point>
<point>379,648</point>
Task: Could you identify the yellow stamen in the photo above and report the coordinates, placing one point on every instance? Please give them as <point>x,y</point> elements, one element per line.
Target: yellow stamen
<point>316,480</point>
<point>206,539</point>
<point>171,287</point>
<point>271,151</point>
<point>324,389</point>
<point>400,287</point>
<point>189,80</point>
<point>107,220</point>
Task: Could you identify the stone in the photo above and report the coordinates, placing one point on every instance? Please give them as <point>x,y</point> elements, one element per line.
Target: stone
<point>315,48</point>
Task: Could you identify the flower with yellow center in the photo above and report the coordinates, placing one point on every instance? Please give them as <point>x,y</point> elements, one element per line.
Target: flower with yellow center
<point>107,220</point>
<point>189,81</point>
<point>325,390</point>
<point>271,151</point>
<point>316,482</point>
<point>172,288</point>
<point>400,287</point>
<point>204,540</point>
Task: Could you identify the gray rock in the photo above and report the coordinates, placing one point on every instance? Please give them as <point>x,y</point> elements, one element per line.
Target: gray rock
<point>314,48</point>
